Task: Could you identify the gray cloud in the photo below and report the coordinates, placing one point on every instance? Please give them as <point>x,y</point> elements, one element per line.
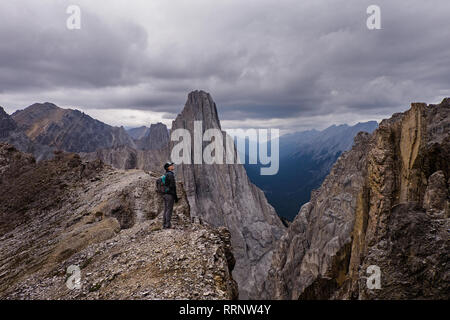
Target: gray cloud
<point>283,63</point>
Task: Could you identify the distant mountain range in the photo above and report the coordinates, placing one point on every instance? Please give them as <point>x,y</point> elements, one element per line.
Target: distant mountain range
<point>306,158</point>
<point>43,128</point>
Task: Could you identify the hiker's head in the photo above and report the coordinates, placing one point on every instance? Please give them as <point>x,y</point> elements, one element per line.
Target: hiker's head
<point>169,166</point>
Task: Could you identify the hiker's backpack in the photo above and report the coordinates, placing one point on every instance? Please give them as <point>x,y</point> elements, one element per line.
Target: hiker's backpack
<point>161,184</point>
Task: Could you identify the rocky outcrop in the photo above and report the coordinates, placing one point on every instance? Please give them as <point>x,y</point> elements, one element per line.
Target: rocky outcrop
<point>222,195</point>
<point>63,212</point>
<point>157,138</point>
<point>68,130</point>
<point>384,204</point>
<point>10,133</point>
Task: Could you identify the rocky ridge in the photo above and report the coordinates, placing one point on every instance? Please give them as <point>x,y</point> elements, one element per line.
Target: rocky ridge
<point>65,211</point>
<point>68,130</point>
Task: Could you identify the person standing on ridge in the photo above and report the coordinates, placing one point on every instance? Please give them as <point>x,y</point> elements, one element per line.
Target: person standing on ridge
<point>170,194</point>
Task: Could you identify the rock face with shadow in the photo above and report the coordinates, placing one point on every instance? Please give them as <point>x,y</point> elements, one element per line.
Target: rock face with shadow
<point>11,133</point>
<point>385,204</point>
<point>222,195</point>
<point>107,222</point>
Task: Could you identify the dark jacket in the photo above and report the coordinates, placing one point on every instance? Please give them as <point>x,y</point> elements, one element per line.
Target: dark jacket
<point>171,184</point>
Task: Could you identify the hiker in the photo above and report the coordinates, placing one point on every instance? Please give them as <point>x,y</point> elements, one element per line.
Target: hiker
<point>170,194</point>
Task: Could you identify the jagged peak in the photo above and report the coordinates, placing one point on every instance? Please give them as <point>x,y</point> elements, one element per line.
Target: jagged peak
<point>200,106</point>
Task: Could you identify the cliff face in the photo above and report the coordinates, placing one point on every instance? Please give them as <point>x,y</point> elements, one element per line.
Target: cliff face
<point>64,212</point>
<point>385,203</point>
<point>68,130</point>
<point>222,195</point>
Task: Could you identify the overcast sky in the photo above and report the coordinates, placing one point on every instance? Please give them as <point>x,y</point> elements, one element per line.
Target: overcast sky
<point>285,64</point>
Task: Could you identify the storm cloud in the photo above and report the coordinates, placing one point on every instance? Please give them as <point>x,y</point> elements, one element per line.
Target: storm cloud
<point>288,64</point>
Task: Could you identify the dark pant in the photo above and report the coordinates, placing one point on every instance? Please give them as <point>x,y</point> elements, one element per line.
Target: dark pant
<point>168,207</point>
